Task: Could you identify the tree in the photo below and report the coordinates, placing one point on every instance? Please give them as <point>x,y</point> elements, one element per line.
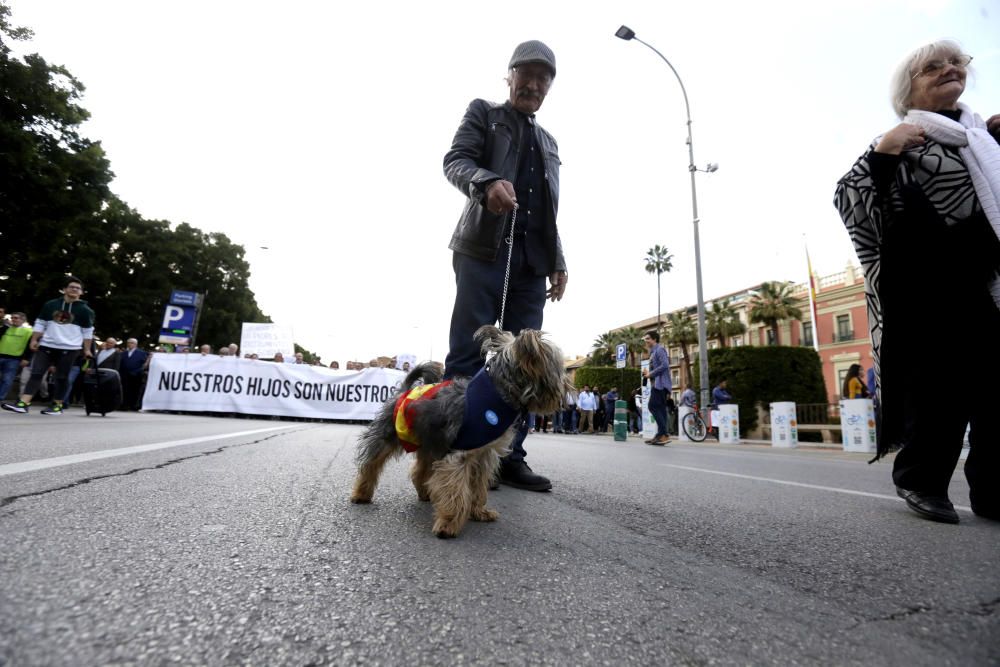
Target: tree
<point>603,353</point>
<point>53,182</point>
<point>658,261</point>
<point>772,303</point>
<point>60,217</point>
<point>681,331</point>
<point>632,338</point>
<point>722,321</point>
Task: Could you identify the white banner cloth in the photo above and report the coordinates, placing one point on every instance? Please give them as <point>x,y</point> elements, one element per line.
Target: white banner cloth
<point>197,383</point>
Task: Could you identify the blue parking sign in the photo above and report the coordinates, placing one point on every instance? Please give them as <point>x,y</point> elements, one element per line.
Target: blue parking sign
<point>620,353</point>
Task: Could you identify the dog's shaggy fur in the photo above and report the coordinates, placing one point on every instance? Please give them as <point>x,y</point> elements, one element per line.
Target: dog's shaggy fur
<point>529,376</point>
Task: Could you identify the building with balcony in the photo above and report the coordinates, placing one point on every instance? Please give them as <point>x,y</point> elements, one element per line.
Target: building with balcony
<point>841,327</point>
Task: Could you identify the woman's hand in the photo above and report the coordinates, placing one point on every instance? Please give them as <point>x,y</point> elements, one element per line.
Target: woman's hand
<point>900,138</point>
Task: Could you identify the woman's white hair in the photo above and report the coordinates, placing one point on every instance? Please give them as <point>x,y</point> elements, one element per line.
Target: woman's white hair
<point>901,85</point>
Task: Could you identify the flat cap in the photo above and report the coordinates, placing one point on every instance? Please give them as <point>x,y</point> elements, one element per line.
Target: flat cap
<point>533,51</point>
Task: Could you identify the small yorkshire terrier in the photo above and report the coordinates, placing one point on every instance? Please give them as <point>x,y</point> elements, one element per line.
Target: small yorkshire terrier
<point>460,428</point>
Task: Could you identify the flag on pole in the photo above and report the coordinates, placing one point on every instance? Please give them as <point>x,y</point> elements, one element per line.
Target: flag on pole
<point>812,300</point>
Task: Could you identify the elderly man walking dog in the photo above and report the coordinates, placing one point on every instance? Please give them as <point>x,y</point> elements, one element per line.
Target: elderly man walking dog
<point>506,242</point>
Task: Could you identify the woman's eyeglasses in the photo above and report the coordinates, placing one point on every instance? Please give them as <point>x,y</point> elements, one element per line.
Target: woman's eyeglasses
<point>934,67</point>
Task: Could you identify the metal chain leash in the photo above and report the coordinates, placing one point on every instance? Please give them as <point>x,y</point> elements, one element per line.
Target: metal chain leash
<point>506,275</point>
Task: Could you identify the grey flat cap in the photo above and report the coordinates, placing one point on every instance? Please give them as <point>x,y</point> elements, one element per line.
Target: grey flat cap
<point>533,51</point>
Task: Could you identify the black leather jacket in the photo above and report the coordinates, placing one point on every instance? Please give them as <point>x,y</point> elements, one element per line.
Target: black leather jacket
<point>485,149</point>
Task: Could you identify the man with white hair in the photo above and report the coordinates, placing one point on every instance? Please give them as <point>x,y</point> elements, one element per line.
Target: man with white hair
<point>109,356</point>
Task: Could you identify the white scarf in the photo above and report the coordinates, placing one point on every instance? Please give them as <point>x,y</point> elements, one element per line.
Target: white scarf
<point>981,154</point>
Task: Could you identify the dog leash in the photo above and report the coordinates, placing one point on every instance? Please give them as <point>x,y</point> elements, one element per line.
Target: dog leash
<point>506,275</point>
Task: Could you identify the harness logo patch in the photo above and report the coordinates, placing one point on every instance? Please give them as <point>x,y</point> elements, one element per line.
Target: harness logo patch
<point>491,417</point>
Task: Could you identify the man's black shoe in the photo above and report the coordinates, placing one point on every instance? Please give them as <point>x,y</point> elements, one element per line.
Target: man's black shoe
<point>935,508</point>
<point>520,476</point>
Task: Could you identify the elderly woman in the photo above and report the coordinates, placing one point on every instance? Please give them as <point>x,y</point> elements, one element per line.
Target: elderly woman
<point>922,206</point>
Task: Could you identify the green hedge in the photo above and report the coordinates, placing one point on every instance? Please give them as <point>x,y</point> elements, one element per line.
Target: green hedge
<point>766,374</point>
<point>626,379</point>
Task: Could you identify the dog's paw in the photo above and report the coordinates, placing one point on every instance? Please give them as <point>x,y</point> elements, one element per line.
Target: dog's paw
<point>484,514</point>
<point>445,528</point>
<point>360,499</point>
<point>424,496</point>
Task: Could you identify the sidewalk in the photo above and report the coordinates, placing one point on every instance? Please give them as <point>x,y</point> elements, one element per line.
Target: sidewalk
<point>834,446</point>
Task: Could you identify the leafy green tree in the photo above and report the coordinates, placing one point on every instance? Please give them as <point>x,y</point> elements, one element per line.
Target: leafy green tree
<point>722,322</point>
<point>53,182</point>
<point>58,216</point>
<point>682,332</point>
<point>658,261</point>
<point>603,351</point>
<point>772,303</point>
<point>632,338</point>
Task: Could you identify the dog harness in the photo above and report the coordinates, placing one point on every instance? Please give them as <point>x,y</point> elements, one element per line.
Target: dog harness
<point>487,416</point>
<point>403,413</point>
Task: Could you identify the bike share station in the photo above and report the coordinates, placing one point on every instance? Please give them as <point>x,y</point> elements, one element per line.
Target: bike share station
<point>857,425</point>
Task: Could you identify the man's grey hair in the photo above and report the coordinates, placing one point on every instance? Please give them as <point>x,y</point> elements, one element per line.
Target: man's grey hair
<point>901,85</point>
<point>132,340</point>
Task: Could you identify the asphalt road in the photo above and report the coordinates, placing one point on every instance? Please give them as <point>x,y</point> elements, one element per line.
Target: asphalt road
<point>241,548</point>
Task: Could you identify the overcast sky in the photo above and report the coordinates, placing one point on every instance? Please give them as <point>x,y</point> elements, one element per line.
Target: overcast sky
<point>317,130</point>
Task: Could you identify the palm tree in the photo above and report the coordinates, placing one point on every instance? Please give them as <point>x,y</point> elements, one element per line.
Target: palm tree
<point>681,331</point>
<point>604,348</point>
<point>658,262</point>
<point>722,321</point>
<point>773,302</point>
<point>632,338</point>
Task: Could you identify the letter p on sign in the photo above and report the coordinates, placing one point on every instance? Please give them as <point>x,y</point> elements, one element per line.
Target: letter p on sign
<point>172,314</point>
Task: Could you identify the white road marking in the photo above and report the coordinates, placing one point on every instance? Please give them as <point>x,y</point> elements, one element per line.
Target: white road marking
<point>42,464</point>
<point>817,487</point>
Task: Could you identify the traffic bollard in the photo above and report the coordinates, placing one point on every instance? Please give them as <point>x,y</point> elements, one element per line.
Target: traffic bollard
<point>621,421</point>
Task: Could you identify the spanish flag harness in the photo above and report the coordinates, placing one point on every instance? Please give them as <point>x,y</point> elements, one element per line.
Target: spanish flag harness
<point>487,416</point>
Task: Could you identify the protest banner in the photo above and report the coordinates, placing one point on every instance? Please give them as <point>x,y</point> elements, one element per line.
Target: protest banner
<point>208,383</point>
<point>264,339</point>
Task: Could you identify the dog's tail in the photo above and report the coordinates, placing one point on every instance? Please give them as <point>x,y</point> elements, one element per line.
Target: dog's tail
<point>428,372</point>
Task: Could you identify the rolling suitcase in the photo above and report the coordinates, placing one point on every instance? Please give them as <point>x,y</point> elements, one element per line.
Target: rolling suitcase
<point>102,390</point>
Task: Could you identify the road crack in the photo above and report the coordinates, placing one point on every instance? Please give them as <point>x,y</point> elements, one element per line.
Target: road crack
<point>987,608</point>
<point>9,500</point>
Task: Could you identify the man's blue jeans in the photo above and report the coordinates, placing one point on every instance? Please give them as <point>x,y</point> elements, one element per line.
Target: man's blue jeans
<point>479,288</point>
<point>658,408</point>
<point>8,369</point>
<point>569,420</point>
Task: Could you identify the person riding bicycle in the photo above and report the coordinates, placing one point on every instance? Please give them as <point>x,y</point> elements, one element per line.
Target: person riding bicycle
<point>688,398</point>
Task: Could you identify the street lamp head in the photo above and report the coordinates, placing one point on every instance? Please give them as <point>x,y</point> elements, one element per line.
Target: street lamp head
<point>625,33</point>
<point>712,166</point>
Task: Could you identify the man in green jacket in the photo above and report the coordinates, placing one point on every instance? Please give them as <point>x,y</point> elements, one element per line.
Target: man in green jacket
<point>63,328</point>
<point>13,350</point>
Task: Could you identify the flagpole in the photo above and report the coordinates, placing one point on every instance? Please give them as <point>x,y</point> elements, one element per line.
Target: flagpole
<point>812,297</point>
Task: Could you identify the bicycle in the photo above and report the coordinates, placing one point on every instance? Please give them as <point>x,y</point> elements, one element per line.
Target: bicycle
<point>694,426</point>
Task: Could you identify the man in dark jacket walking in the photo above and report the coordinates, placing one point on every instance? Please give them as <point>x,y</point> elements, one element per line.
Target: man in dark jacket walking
<point>507,166</point>
<point>133,363</point>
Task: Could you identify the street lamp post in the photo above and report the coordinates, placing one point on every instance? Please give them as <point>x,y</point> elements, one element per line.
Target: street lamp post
<point>627,34</point>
